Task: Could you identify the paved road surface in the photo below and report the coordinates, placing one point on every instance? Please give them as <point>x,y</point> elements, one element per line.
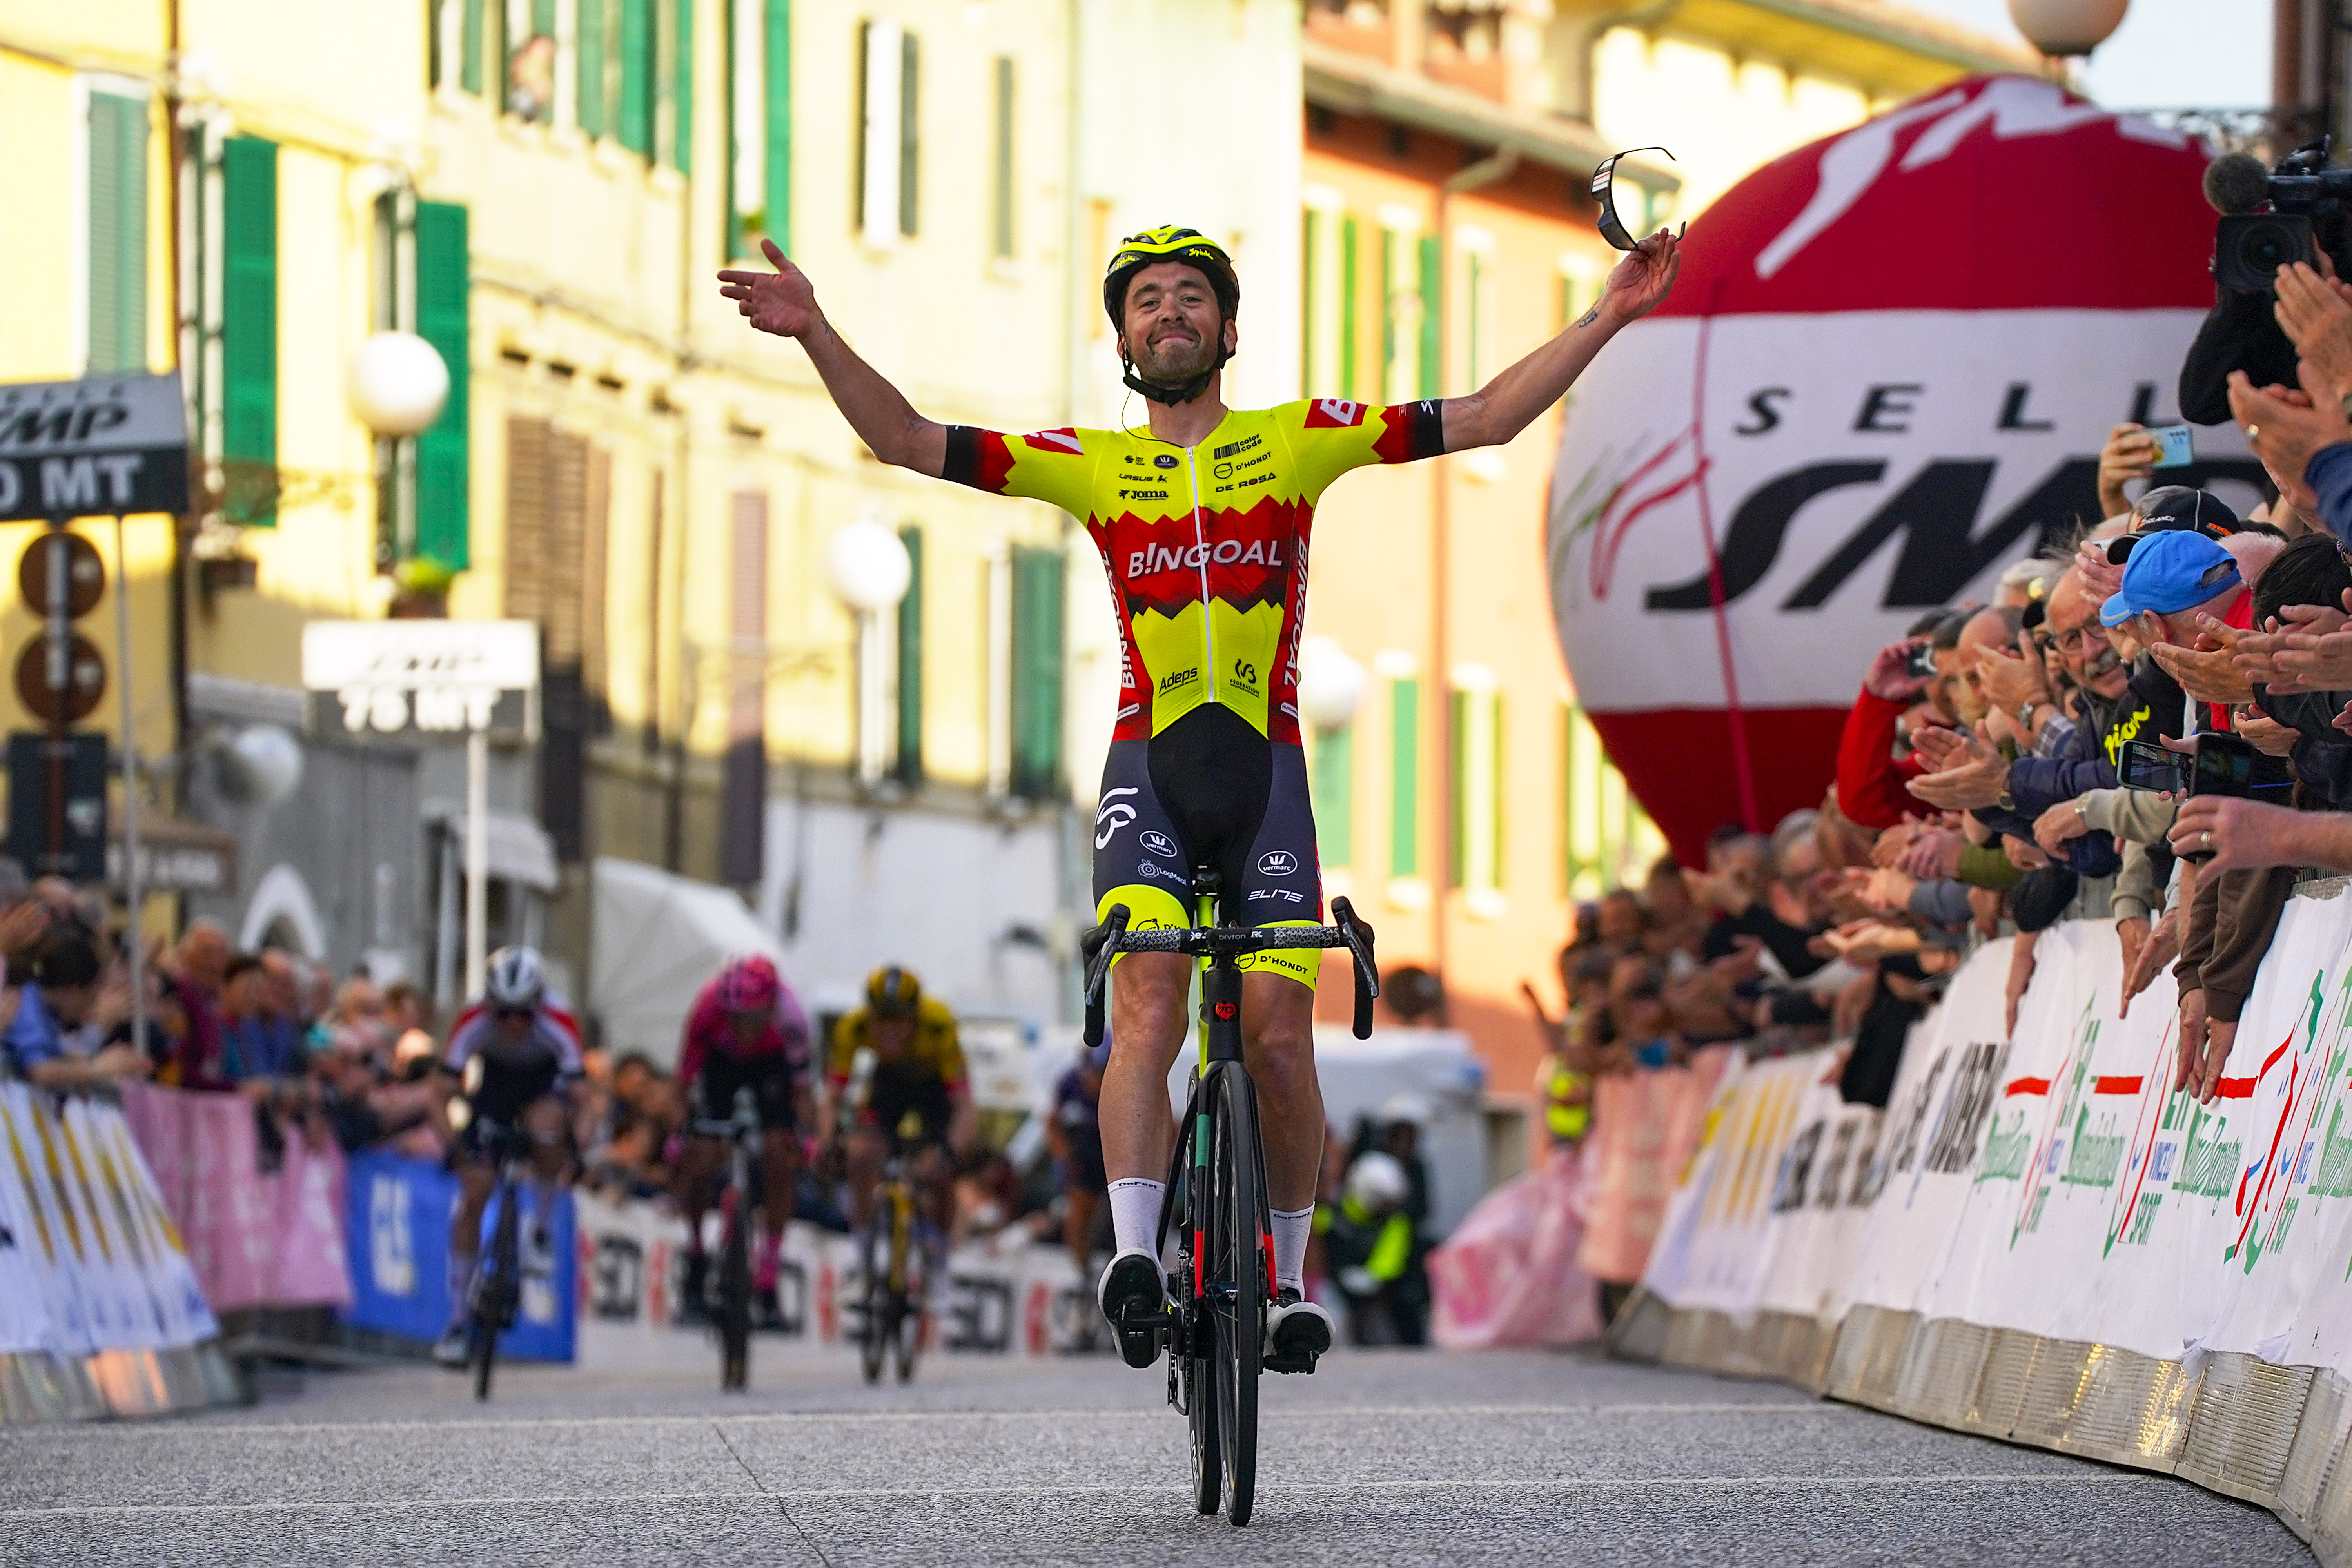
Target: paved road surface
<point>1389,1457</point>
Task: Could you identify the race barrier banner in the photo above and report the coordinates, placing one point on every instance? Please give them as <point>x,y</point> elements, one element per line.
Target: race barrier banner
<point>257,1238</point>
<point>2040,1241</point>
<point>101,1310</point>
<point>398,1215</point>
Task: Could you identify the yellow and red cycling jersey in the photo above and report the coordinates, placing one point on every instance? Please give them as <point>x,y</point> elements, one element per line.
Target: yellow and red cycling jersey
<point>1206,545</point>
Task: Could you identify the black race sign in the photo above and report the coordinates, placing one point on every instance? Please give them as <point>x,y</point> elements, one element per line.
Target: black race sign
<point>86,448</point>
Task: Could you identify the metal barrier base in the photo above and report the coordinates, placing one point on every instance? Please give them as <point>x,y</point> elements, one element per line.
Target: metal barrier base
<point>2275,1436</point>
<point>119,1384</point>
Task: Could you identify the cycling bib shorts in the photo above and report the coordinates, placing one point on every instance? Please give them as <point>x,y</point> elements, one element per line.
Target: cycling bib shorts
<point>1205,548</point>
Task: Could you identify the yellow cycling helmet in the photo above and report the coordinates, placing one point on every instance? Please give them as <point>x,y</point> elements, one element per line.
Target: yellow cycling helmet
<point>893,993</point>
<point>1169,243</point>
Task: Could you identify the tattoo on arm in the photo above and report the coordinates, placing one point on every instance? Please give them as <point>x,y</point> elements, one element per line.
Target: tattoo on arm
<point>1589,317</point>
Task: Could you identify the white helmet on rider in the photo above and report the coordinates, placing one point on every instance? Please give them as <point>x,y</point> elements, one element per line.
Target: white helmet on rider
<point>1377,1181</point>
<point>516,978</point>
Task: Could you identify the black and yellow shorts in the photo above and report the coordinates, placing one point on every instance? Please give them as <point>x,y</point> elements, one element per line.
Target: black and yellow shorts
<point>1210,789</point>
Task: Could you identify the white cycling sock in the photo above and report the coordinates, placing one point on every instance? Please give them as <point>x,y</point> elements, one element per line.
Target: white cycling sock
<point>1291,1229</point>
<point>1135,1212</point>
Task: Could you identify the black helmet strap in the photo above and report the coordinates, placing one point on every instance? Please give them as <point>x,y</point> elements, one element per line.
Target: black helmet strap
<point>1172,395</point>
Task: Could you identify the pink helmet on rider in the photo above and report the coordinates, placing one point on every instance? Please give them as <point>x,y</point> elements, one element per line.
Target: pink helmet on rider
<point>748,985</point>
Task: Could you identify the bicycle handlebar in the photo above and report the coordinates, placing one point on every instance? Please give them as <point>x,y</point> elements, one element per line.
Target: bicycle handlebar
<point>1109,939</point>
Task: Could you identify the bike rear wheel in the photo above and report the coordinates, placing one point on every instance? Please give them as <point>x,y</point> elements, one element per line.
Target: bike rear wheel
<point>1238,1280</point>
<point>735,1296</point>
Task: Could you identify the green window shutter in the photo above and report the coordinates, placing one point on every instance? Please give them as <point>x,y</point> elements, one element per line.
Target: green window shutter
<point>1347,327</point>
<point>778,77</point>
<point>1036,671</point>
<point>117,233</point>
<point>910,660</point>
<point>909,145</point>
<point>1432,377</point>
<point>636,127</point>
<point>1310,250</point>
<point>469,47</point>
<point>1457,796</point>
<point>590,50</point>
<point>1388,313</point>
<point>444,295</point>
<point>250,315</point>
<point>1332,790</point>
<point>681,92</point>
<point>1494,776</point>
<point>1404,778</point>
<point>542,18</point>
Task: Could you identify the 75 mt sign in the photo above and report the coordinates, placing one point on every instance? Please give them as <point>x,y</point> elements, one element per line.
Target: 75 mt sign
<point>419,681</point>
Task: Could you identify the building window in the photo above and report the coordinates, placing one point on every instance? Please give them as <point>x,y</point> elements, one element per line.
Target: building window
<point>1332,789</point>
<point>617,51</point>
<point>247,263</point>
<point>1003,205</point>
<point>531,58</point>
<point>1404,777</point>
<point>1433,371</point>
<point>443,317</point>
<point>1350,324</point>
<point>675,114</point>
<point>759,124</point>
<point>1324,317</point>
<point>1477,773</point>
<point>1605,834</point>
<point>1477,307</point>
<point>116,327</point>
<point>888,75</point>
<point>909,762</point>
<point>1037,577</point>
<point>1402,294</point>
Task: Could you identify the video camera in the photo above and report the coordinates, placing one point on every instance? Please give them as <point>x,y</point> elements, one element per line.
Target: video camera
<point>2307,196</point>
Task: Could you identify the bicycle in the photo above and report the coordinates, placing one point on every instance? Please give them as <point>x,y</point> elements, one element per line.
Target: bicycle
<point>746,1148</point>
<point>495,1295</point>
<point>1223,1278</point>
<point>896,1294</point>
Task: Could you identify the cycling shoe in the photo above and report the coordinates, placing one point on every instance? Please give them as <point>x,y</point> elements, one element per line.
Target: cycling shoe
<point>1134,1297</point>
<point>1297,1332</point>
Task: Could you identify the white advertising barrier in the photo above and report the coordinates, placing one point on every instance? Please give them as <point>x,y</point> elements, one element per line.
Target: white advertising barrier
<point>1003,1295</point>
<point>2042,1240</point>
<point>100,1309</point>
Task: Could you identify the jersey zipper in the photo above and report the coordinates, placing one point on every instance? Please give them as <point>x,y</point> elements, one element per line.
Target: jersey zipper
<point>1201,537</point>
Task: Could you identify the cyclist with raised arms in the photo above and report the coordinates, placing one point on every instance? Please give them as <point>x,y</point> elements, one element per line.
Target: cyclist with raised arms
<point>1201,519</point>
<point>746,1030</point>
<point>514,1054</point>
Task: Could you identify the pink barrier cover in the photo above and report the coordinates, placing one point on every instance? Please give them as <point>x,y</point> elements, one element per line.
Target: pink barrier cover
<point>253,1238</point>
<point>1645,1126</point>
<point>1507,1275</point>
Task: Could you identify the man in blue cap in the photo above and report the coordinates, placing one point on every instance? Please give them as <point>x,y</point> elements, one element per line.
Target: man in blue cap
<point>2173,582</point>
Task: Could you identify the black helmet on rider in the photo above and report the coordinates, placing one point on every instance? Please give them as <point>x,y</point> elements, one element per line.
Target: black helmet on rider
<point>1194,249</point>
<point>893,993</point>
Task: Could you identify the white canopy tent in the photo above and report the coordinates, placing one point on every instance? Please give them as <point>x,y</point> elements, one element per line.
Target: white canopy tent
<point>658,939</point>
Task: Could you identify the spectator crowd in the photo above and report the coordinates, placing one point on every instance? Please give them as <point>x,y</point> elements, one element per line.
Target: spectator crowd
<point>2149,722</point>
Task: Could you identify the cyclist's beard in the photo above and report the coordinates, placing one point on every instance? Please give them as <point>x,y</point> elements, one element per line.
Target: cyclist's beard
<point>1175,360</point>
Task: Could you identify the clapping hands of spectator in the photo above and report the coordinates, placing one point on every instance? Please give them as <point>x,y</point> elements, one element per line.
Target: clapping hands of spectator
<point>2055,826</point>
<point>2315,313</point>
<point>2127,455</point>
<point>2209,672</point>
<point>1888,891</point>
<point>2284,426</point>
<point>1863,940</point>
<point>2101,576</point>
<point>1890,675</point>
<point>2012,680</point>
<point>2311,650</point>
<point>2265,733</point>
<point>1934,855</point>
<point>1967,773</point>
<point>2023,855</point>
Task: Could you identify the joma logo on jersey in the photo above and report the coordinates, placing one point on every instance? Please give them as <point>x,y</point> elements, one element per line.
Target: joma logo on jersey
<point>1143,495</point>
<point>1234,449</point>
<point>1154,558</point>
<point>1333,413</point>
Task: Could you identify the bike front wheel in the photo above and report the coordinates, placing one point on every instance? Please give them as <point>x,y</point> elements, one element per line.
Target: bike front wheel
<point>874,1324</point>
<point>735,1300</point>
<point>1237,1277</point>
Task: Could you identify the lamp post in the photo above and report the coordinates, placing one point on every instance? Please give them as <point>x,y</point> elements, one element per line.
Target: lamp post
<point>2062,27</point>
<point>870,571</point>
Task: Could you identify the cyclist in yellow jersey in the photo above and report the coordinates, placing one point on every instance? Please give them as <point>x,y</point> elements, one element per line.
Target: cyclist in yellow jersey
<point>1202,519</point>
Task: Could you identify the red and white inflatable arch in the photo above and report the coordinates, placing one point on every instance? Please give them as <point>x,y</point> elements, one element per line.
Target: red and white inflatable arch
<point>1885,373</point>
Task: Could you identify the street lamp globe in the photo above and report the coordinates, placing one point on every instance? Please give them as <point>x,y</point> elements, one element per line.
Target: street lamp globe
<point>264,764</point>
<point>1330,683</point>
<point>868,566</point>
<point>397,384</point>
<point>2062,27</point>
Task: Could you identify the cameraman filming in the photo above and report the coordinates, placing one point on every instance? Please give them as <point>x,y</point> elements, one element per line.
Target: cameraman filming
<point>2241,332</point>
